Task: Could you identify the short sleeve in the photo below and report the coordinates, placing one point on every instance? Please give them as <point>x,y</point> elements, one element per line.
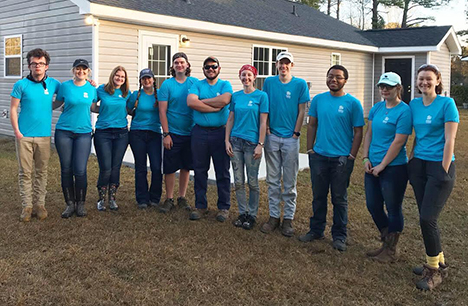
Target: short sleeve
<point>163,92</point>
<point>195,89</point>
<point>451,112</point>
<point>232,104</point>
<point>358,114</point>
<point>227,87</point>
<point>100,92</point>
<point>59,96</point>
<point>17,91</point>
<point>264,106</point>
<point>93,89</point>
<point>313,107</point>
<point>58,85</point>
<point>305,96</point>
<point>404,123</point>
<point>372,113</point>
<point>131,101</point>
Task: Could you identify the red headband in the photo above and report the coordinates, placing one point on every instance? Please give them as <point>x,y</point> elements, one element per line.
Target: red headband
<point>249,68</point>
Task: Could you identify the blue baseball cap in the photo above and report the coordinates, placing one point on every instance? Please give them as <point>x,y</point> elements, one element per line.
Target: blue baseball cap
<point>389,78</point>
<point>146,73</point>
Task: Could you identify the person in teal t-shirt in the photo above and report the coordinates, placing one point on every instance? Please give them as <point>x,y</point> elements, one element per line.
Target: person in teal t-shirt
<point>145,140</point>
<point>245,138</point>
<point>385,164</point>
<point>287,97</point>
<point>209,100</point>
<point>111,135</point>
<point>334,134</point>
<point>177,122</point>
<point>32,129</point>
<point>73,137</point>
<point>432,166</point>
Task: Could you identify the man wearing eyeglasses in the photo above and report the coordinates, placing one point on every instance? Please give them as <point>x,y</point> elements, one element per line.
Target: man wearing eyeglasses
<point>334,134</point>
<point>32,129</point>
<point>209,99</point>
<point>288,96</point>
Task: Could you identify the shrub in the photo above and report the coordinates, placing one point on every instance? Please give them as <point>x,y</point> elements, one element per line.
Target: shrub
<point>459,93</point>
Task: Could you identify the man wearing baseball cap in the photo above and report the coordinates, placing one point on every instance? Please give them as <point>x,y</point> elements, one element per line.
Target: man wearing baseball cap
<point>209,99</point>
<point>287,96</point>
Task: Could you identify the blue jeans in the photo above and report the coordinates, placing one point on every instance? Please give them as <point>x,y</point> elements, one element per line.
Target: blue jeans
<point>111,145</point>
<point>330,173</point>
<point>282,157</point>
<point>243,156</point>
<point>208,143</point>
<point>389,188</point>
<point>73,150</point>
<point>144,144</point>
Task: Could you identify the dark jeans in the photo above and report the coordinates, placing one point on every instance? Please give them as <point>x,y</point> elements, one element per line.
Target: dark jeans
<point>432,187</point>
<point>208,143</point>
<point>73,150</point>
<point>144,144</point>
<point>111,145</point>
<point>330,173</point>
<point>389,188</point>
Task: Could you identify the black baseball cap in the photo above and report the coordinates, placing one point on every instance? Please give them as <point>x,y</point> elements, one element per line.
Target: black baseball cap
<point>81,62</point>
<point>210,59</point>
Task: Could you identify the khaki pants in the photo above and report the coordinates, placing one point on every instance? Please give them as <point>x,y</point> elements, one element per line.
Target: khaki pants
<point>33,153</point>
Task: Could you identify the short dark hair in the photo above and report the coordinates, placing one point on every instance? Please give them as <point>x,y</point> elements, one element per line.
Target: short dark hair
<point>339,67</point>
<point>38,53</point>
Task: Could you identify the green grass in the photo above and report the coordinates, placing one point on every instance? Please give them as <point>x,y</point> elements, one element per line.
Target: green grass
<point>146,258</point>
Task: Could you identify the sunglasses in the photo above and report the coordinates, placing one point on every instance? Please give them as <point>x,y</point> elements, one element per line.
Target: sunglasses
<point>385,86</point>
<point>207,67</point>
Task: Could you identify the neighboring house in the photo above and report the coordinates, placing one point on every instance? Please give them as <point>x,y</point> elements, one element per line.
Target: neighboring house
<point>140,34</point>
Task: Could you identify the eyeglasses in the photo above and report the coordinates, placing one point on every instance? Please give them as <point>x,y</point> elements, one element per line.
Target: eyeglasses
<point>41,64</point>
<point>338,78</point>
<point>425,66</point>
<point>207,67</point>
<point>385,86</point>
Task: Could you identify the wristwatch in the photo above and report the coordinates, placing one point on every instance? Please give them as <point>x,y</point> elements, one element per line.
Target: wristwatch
<point>165,134</point>
<point>298,134</point>
<point>262,144</point>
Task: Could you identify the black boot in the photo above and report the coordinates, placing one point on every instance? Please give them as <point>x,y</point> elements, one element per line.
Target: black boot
<point>80,202</point>
<point>112,191</point>
<point>101,203</point>
<point>70,201</point>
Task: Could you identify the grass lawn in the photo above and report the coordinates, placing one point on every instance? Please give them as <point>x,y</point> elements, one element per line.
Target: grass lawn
<point>134,257</point>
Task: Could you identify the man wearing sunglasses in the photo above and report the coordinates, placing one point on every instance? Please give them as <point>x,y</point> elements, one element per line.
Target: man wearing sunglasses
<point>334,134</point>
<point>32,129</point>
<point>209,99</point>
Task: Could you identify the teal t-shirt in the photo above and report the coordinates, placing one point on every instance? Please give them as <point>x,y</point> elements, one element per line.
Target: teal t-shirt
<point>206,91</point>
<point>429,126</point>
<point>35,117</point>
<point>337,117</point>
<point>179,115</point>
<point>247,109</point>
<point>76,115</point>
<point>284,100</point>
<point>146,115</point>
<point>113,110</point>
<point>386,123</point>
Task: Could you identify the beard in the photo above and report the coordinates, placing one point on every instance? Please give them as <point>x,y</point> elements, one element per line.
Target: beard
<point>211,78</point>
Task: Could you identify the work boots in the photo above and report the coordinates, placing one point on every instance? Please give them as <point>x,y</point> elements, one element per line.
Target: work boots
<point>383,235</point>
<point>69,195</point>
<point>112,191</point>
<point>389,253</point>
<point>101,203</point>
<point>271,225</point>
<point>80,198</point>
<point>432,277</point>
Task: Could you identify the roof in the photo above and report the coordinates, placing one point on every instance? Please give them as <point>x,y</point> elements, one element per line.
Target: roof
<point>409,37</point>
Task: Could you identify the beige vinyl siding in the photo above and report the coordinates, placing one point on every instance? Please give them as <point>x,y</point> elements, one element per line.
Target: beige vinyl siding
<point>118,44</point>
<point>54,25</point>
<point>442,60</point>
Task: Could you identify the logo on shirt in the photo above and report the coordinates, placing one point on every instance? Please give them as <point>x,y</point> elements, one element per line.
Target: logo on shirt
<point>218,94</point>
<point>250,103</point>
<point>386,120</point>
<point>85,95</point>
<point>288,95</point>
<point>341,109</point>
<point>429,119</point>
<point>120,96</point>
<point>46,91</point>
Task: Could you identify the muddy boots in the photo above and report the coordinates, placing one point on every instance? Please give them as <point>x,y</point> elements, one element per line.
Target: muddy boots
<point>69,195</point>
<point>80,199</point>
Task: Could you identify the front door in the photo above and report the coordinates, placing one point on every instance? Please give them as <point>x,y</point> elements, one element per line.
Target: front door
<point>403,67</point>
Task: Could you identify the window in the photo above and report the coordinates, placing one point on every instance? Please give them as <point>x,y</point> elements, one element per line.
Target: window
<point>159,61</point>
<point>13,60</point>
<point>264,59</point>
<point>335,59</point>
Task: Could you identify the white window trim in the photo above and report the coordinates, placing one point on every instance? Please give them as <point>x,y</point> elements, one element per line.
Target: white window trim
<point>13,56</point>
<point>271,60</point>
<point>331,58</point>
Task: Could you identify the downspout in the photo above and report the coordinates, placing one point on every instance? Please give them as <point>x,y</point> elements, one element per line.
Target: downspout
<point>95,65</point>
<point>373,78</point>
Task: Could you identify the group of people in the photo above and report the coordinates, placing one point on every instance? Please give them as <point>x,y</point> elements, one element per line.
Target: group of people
<point>187,122</point>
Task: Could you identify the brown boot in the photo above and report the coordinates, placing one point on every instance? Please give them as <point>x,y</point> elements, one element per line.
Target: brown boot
<point>271,225</point>
<point>26,214</point>
<point>286,228</point>
<point>41,212</point>
<point>431,278</point>
<point>376,252</point>
<point>389,253</point>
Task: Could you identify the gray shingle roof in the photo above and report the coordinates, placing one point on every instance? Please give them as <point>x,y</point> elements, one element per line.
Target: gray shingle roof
<point>276,16</point>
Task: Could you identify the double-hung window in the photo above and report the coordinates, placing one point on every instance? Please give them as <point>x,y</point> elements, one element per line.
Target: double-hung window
<point>264,59</point>
<point>13,56</point>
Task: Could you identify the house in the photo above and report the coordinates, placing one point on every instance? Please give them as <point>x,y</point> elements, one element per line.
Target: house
<point>139,34</point>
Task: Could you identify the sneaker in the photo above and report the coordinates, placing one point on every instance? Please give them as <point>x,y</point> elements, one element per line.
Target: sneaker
<point>340,245</point>
<point>443,270</point>
<point>154,204</point>
<point>26,214</point>
<point>197,213</point>
<point>310,236</point>
<point>222,215</point>
<point>182,203</point>
<point>249,223</point>
<point>270,226</point>
<point>142,206</point>
<point>41,212</point>
<point>240,220</point>
<point>166,206</point>
<point>431,278</point>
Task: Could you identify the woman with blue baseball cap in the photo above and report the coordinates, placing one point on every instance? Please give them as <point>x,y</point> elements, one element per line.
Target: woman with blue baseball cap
<point>385,164</point>
<point>145,140</point>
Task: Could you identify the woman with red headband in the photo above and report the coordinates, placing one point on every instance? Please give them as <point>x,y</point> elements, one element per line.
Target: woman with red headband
<point>245,137</point>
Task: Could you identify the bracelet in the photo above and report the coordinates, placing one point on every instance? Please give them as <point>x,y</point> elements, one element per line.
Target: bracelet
<point>365,160</point>
<point>352,156</point>
<point>310,151</point>
<point>365,157</point>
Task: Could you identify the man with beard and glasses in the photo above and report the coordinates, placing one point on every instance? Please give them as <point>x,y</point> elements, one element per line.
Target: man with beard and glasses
<point>209,99</point>
<point>334,134</point>
<point>32,129</point>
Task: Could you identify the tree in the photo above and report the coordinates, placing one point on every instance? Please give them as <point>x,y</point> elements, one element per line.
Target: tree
<point>377,20</point>
<point>312,3</point>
